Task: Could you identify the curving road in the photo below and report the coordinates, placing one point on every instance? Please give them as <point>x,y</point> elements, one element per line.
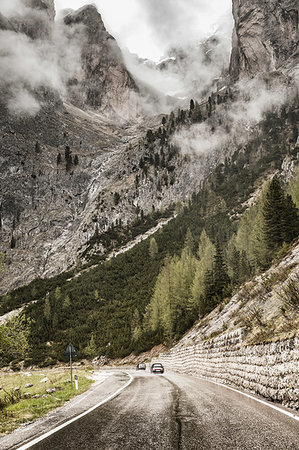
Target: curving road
<point>159,412</point>
<point>174,411</point>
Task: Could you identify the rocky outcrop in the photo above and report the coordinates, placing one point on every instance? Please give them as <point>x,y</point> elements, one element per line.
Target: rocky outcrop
<point>265,36</point>
<point>103,83</point>
<point>36,19</point>
<point>5,24</point>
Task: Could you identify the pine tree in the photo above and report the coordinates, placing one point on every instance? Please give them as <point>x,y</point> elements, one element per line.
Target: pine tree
<point>136,326</point>
<point>37,147</point>
<point>12,242</point>
<point>293,187</point>
<point>153,248</point>
<point>273,211</point>
<point>221,278</point>
<point>68,158</point>
<point>290,220</point>
<point>47,310</point>
<point>91,349</point>
<point>206,251</point>
<point>66,303</point>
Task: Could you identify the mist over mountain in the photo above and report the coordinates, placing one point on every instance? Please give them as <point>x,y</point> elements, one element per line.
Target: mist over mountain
<point>99,145</point>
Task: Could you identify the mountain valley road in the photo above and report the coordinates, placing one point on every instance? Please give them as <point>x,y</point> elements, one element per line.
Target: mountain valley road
<point>176,411</point>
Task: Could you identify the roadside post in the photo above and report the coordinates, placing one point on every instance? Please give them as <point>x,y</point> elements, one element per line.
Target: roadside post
<point>71,354</point>
<point>76,382</point>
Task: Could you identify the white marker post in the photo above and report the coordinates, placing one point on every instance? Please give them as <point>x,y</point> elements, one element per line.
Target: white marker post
<point>76,382</point>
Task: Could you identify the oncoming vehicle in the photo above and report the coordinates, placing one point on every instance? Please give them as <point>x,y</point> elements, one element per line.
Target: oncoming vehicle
<point>157,368</point>
<point>141,366</point>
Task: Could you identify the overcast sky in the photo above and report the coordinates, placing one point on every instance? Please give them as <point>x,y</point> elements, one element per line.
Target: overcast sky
<point>150,27</point>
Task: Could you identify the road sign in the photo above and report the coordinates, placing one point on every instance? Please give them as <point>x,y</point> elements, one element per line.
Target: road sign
<point>70,351</point>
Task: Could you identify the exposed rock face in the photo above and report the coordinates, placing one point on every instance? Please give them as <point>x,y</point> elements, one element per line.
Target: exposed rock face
<point>265,35</point>
<point>37,19</point>
<point>103,83</point>
<point>5,24</point>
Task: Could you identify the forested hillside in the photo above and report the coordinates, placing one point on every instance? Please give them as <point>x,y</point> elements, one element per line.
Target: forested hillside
<point>154,292</point>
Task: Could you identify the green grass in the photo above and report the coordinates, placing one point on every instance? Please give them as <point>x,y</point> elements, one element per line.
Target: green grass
<point>21,410</point>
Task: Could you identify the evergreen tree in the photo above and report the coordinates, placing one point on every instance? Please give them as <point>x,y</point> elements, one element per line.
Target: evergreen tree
<point>153,248</point>
<point>68,158</point>
<point>136,326</point>
<point>273,211</point>
<point>47,309</point>
<point>290,220</point>
<point>91,349</point>
<point>221,278</point>
<point>206,251</point>
<point>67,303</point>
<point>12,242</point>
<point>37,147</point>
<point>293,187</point>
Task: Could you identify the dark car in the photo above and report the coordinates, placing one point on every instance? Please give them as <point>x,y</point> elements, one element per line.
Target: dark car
<point>141,366</point>
<point>157,368</point>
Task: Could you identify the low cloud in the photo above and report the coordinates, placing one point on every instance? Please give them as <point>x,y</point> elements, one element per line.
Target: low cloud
<point>27,65</point>
<point>188,70</point>
<point>22,103</point>
<point>233,122</point>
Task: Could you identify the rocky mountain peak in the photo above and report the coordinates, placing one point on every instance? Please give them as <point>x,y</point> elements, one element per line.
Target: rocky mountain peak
<point>103,83</point>
<point>265,36</point>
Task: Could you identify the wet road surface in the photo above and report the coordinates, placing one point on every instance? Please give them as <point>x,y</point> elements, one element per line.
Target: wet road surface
<point>174,411</point>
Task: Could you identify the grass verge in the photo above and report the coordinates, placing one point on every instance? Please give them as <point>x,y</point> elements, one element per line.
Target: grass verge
<point>20,404</point>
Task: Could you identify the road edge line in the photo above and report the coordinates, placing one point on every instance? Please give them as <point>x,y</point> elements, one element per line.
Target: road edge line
<point>264,402</point>
<point>68,422</point>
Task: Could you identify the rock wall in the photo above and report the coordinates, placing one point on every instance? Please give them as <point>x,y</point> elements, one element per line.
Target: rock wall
<point>103,82</point>
<point>270,370</point>
<point>265,36</point>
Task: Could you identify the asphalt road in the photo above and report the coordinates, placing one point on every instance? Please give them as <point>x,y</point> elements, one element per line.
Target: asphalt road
<point>174,411</point>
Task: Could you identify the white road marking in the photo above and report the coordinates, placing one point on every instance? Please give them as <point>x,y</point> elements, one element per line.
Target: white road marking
<point>287,413</point>
<point>65,424</point>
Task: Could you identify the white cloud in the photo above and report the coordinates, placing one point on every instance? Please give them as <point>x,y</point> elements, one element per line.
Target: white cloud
<point>22,103</point>
<point>150,27</point>
<point>26,65</point>
<point>255,98</point>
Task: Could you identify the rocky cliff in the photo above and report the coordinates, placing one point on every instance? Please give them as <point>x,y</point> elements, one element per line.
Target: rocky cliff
<point>265,36</point>
<point>103,83</point>
<point>35,19</point>
<point>62,169</point>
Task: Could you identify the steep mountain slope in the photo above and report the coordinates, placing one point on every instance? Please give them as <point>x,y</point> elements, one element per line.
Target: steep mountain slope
<point>35,19</point>
<point>265,36</point>
<point>70,174</point>
<point>102,83</point>
<point>62,167</point>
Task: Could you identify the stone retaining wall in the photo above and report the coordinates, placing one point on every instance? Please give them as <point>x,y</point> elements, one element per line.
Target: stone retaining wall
<point>270,370</point>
